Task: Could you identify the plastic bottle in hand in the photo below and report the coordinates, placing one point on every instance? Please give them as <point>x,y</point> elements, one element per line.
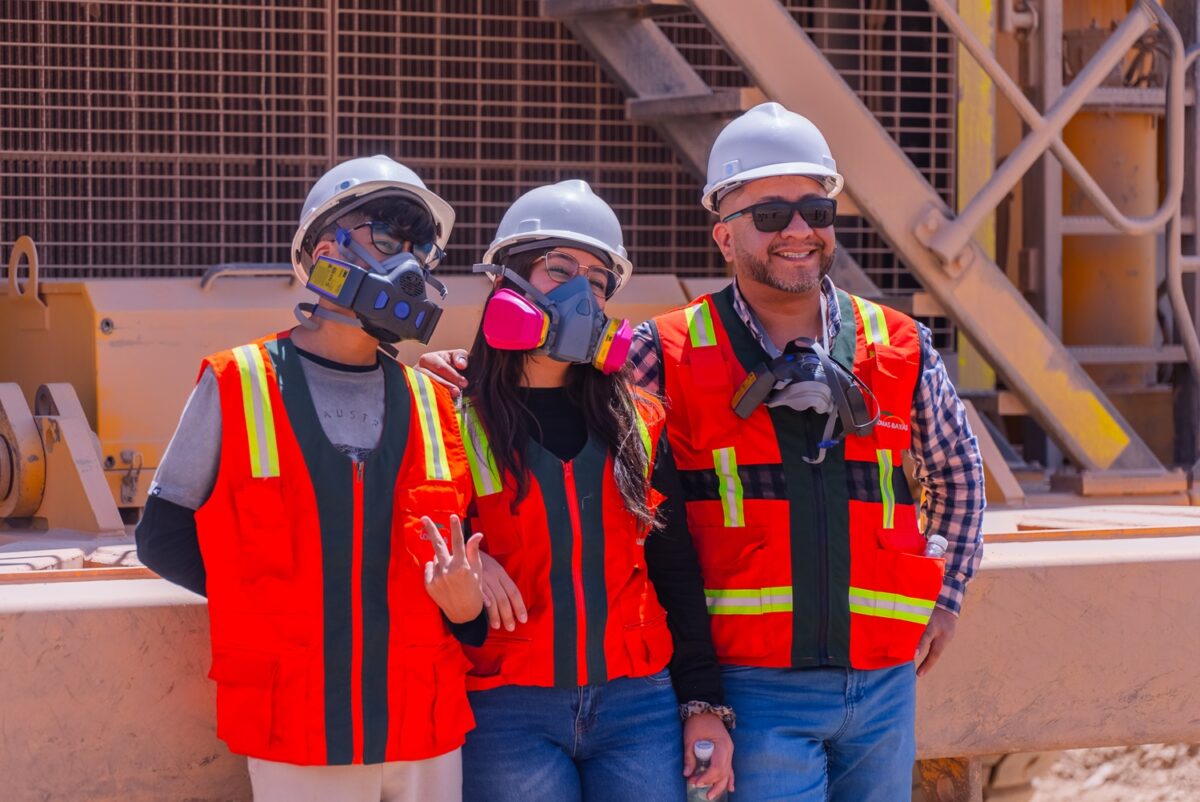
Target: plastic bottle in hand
<point>935,546</point>
<point>703,750</point>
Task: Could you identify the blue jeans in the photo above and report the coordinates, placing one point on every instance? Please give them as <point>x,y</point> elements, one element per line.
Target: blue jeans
<point>618,742</point>
<point>817,734</point>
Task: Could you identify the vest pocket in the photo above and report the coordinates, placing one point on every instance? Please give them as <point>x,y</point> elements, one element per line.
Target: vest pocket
<point>648,645</point>
<point>742,584</point>
<point>245,698</point>
<point>266,545</point>
<point>891,615</point>
<point>503,659</point>
<point>434,715</point>
<point>436,499</point>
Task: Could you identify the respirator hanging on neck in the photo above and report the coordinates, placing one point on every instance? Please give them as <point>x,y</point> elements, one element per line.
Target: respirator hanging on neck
<point>809,379</point>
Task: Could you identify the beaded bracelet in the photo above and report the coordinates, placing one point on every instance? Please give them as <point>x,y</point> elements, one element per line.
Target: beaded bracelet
<point>695,708</point>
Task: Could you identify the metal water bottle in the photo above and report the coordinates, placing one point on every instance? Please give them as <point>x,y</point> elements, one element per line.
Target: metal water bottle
<point>935,546</point>
<point>703,750</point>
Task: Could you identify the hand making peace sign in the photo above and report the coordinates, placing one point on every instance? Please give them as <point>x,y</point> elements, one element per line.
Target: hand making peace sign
<point>453,580</point>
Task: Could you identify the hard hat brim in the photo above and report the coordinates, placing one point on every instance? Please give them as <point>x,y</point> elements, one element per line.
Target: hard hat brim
<point>835,182</point>
<point>441,212</point>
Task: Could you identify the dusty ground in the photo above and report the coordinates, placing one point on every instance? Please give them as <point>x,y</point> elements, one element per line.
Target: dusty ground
<point>1148,773</point>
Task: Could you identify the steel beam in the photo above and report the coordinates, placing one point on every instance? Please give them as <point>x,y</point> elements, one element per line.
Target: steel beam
<point>773,50</point>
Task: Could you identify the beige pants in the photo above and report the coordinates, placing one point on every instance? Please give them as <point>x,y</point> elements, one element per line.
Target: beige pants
<point>438,779</point>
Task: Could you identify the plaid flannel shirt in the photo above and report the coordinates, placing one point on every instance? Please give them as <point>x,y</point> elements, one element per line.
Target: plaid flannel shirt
<point>946,453</point>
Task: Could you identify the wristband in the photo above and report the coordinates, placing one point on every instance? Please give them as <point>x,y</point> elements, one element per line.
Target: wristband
<point>695,708</point>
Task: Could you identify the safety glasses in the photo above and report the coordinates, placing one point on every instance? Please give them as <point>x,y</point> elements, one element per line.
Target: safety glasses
<point>562,267</point>
<point>391,242</point>
<point>775,215</point>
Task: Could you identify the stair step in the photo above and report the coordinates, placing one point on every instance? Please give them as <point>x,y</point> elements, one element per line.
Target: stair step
<point>718,101</point>
<point>1127,354</point>
<point>572,9</point>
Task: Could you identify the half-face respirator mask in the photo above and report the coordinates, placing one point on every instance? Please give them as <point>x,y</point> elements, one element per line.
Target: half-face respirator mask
<point>566,323</point>
<point>808,379</point>
<point>388,297</point>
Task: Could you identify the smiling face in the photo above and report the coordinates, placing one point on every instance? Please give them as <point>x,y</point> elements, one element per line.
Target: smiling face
<point>793,260</point>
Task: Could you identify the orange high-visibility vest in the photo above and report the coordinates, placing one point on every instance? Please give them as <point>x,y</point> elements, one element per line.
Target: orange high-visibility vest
<point>327,650</point>
<point>804,565</point>
<point>578,558</point>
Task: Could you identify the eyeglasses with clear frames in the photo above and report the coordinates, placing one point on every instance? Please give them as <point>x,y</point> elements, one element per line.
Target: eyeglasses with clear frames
<point>562,267</point>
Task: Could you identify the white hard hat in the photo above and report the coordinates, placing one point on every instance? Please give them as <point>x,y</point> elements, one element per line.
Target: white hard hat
<point>568,210</point>
<point>353,183</point>
<point>768,140</point>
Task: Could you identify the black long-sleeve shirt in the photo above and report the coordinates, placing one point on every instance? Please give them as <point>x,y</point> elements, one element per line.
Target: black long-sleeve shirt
<point>558,425</point>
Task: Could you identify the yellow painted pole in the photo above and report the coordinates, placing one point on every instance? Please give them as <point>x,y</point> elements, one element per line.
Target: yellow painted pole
<point>976,155</point>
<point>1109,281</point>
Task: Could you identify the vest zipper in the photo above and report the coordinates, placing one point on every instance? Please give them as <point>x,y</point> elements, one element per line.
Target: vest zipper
<point>581,677</point>
<point>356,616</point>
<point>823,555</point>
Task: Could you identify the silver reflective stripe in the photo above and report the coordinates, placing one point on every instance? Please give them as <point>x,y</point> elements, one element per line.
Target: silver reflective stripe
<point>890,605</point>
<point>748,601</point>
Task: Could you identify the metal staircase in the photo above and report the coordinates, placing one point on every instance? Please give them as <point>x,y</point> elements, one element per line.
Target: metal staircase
<point>763,37</point>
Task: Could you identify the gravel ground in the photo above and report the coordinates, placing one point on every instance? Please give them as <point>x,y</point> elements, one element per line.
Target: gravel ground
<point>1147,773</point>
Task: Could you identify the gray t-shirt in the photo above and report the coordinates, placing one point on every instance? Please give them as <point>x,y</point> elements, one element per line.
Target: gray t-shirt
<point>349,402</point>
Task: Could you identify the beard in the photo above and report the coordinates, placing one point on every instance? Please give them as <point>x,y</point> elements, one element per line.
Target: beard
<point>760,271</point>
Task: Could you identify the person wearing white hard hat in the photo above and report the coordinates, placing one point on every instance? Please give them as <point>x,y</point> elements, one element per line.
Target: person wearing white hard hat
<point>305,493</point>
<point>790,407</point>
<point>592,583</point>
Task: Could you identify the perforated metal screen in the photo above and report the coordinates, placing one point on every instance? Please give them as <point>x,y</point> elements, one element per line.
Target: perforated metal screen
<point>163,137</point>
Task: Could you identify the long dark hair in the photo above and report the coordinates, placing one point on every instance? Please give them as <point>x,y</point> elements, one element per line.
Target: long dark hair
<point>607,402</point>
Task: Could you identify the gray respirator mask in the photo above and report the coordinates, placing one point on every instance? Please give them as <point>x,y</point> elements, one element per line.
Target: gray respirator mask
<point>809,379</point>
<point>388,298</point>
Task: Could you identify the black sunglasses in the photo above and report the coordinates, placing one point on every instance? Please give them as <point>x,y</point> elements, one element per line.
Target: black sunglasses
<point>775,215</point>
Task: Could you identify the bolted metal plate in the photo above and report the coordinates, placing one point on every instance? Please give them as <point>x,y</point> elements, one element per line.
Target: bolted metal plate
<point>22,459</point>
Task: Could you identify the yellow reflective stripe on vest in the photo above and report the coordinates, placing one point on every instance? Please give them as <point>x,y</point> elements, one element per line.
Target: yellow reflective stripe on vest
<point>700,325</point>
<point>890,605</point>
<point>256,405</point>
<point>874,324</point>
<point>644,433</point>
<point>887,491</point>
<point>730,486</point>
<point>436,464</point>
<point>748,601</point>
<point>484,473</point>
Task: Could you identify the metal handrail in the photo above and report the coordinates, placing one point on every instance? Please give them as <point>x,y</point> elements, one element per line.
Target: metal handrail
<point>1045,132</point>
<point>246,269</point>
<point>950,239</point>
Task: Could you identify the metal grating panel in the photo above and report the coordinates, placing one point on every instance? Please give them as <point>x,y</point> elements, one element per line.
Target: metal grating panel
<point>157,137</point>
